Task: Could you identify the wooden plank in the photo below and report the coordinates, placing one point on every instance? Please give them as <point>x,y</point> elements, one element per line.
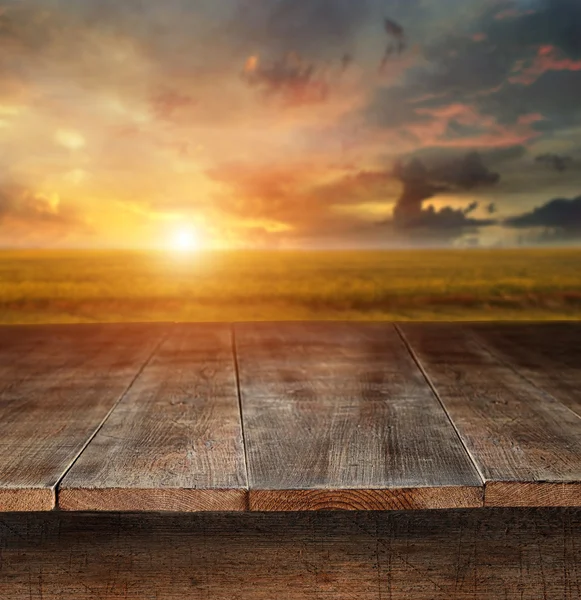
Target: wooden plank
<point>22,345</point>
<point>337,416</point>
<point>526,444</point>
<point>56,387</point>
<point>175,441</point>
<point>483,554</point>
<point>547,354</point>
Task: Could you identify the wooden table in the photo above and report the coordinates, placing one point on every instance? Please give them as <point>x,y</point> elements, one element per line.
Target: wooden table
<point>290,460</point>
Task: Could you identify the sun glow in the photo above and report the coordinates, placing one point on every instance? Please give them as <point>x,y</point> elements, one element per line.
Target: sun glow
<point>186,240</point>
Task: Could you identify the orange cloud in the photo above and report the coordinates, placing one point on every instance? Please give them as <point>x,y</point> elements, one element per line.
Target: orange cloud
<point>296,201</point>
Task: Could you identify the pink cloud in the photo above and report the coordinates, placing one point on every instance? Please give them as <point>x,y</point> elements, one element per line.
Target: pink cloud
<point>433,132</point>
<point>479,37</point>
<point>464,114</point>
<point>548,58</point>
<point>504,139</point>
<point>530,119</point>
<point>489,91</point>
<point>512,13</point>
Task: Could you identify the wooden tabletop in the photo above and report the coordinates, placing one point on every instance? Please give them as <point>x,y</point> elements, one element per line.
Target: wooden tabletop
<point>289,416</point>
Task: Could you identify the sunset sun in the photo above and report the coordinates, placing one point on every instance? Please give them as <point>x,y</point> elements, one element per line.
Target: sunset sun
<point>186,240</point>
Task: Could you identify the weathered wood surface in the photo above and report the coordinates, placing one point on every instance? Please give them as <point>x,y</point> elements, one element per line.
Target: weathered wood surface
<point>335,416</point>
<point>547,354</point>
<point>338,416</point>
<point>526,444</point>
<point>482,554</point>
<point>175,441</point>
<point>57,385</point>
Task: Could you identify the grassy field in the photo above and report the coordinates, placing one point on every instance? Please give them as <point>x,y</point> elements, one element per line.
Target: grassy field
<point>51,287</point>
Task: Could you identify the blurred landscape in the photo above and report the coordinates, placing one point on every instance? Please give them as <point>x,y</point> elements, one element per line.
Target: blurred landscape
<point>115,286</point>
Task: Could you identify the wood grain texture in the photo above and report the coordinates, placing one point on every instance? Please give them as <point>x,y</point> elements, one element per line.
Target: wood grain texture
<point>547,354</point>
<point>179,500</point>
<point>366,499</point>
<point>341,408</point>
<point>27,499</point>
<point>524,442</point>
<point>175,441</point>
<point>57,384</point>
<point>485,554</point>
<point>530,494</point>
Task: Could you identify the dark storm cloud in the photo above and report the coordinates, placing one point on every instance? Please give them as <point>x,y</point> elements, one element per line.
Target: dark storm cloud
<point>421,183</point>
<point>450,221</point>
<point>499,156</point>
<point>560,214</point>
<point>465,173</point>
<point>558,162</point>
<point>494,158</point>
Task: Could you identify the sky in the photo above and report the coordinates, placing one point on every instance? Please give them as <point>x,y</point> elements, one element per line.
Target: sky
<point>290,123</point>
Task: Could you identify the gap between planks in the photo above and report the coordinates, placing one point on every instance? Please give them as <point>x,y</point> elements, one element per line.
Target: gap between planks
<point>525,443</point>
<point>100,426</point>
<point>240,412</point>
<point>339,416</point>
<point>41,370</point>
<point>174,443</point>
<point>493,493</point>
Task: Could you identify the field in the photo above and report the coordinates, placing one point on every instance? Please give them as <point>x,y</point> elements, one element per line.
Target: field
<point>107,286</point>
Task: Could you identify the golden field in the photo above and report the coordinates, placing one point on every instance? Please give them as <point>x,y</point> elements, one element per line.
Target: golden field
<point>109,286</point>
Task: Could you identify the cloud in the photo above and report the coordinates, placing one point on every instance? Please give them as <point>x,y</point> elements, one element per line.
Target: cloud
<point>295,193</point>
<point>553,95</point>
<point>421,183</point>
<point>72,140</point>
<point>484,81</point>
<point>466,173</point>
<point>293,79</point>
<point>306,201</point>
<point>148,99</point>
<point>512,13</point>
<point>443,123</point>
<point>313,26</point>
<point>303,199</point>
<point>167,103</point>
<point>556,161</point>
<point>447,222</point>
<point>393,107</point>
<point>25,214</point>
<point>501,156</point>
<point>548,58</point>
<point>561,214</point>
